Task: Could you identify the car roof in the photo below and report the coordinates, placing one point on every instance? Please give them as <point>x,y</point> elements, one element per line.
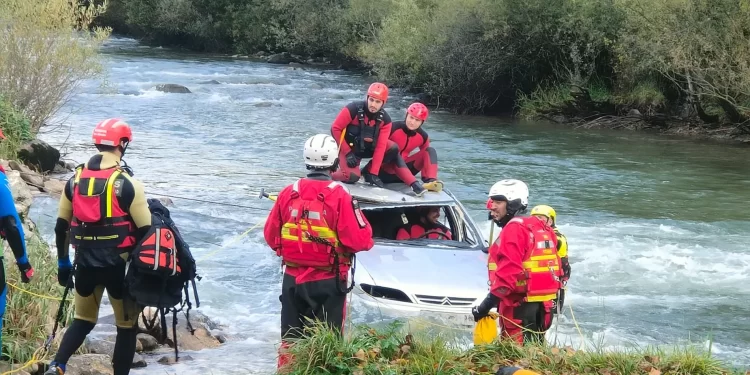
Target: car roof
<point>396,194</point>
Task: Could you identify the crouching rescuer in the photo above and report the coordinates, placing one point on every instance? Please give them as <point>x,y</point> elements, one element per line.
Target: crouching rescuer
<point>102,214</point>
<point>523,264</point>
<point>316,227</point>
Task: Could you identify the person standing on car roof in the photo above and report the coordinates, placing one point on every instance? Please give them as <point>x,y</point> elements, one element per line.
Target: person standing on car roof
<point>316,227</point>
<point>549,215</point>
<point>524,268</point>
<point>362,129</point>
<point>11,230</point>
<point>410,135</point>
<point>102,214</point>
<point>428,224</point>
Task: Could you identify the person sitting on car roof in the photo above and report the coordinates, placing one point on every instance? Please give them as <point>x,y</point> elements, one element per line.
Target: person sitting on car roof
<point>427,226</point>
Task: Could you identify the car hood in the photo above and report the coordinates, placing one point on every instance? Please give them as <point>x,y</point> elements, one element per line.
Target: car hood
<point>425,270</point>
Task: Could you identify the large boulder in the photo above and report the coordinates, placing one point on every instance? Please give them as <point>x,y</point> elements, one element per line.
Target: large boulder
<point>172,88</point>
<point>32,178</point>
<point>281,58</point>
<point>39,155</point>
<point>201,339</point>
<point>54,186</point>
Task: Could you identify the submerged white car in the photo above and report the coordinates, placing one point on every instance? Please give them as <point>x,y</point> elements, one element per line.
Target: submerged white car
<point>437,279</point>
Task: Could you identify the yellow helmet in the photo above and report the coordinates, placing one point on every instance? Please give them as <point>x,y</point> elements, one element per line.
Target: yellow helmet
<point>545,210</point>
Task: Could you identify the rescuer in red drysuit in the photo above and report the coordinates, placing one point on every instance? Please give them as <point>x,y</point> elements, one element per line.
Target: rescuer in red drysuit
<point>409,135</point>
<point>309,218</point>
<point>428,223</point>
<point>361,130</point>
<point>523,264</point>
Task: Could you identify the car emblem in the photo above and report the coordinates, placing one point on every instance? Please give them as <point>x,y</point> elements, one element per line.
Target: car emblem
<point>446,301</point>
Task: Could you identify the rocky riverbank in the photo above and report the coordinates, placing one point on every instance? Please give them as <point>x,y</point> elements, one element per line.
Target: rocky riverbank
<point>94,357</point>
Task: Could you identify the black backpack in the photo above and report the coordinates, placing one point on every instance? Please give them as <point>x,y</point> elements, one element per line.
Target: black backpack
<point>160,270</point>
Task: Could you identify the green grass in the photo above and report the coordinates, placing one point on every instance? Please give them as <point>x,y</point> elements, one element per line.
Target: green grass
<point>542,101</point>
<point>392,350</point>
<point>15,127</point>
<point>29,319</point>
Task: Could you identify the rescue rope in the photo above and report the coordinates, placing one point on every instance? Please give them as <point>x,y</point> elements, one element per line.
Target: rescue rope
<point>34,358</point>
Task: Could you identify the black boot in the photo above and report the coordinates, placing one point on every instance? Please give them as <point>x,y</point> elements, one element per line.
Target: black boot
<point>419,190</point>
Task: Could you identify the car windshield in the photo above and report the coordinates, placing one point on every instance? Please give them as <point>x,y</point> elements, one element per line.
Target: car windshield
<point>420,225</point>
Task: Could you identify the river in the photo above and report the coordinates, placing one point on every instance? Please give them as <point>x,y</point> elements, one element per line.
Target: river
<point>657,225</point>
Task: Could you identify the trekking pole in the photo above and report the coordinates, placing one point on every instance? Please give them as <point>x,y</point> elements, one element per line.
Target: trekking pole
<point>263,194</point>
<point>60,310</point>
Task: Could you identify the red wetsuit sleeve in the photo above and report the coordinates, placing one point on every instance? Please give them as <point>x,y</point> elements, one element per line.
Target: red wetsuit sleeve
<point>377,157</point>
<point>338,128</point>
<point>509,257</point>
<point>354,231</point>
<point>274,222</point>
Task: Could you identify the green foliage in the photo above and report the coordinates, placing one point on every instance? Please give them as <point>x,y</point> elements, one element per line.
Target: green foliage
<point>478,55</point>
<point>16,128</point>
<point>392,350</point>
<point>42,57</point>
<point>29,319</point>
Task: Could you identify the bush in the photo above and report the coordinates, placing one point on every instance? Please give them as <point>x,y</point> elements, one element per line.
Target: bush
<point>15,127</point>
<point>42,58</point>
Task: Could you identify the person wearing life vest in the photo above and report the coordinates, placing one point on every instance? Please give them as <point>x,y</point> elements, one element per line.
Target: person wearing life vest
<point>361,130</point>
<point>409,135</point>
<point>524,268</point>
<point>549,215</point>
<point>11,229</point>
<point>428,226</point>
<point>316,227</point>
<point>102,214</point>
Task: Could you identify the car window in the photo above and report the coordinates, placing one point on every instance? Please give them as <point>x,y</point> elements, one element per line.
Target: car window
<point>387,221</point>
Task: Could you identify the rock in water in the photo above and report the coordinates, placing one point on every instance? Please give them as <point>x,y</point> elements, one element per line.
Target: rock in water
<point>40,155</point>
<point>172,88</point>
<point>138,361</point>
<point>280,58</point>
<point>148,342</point>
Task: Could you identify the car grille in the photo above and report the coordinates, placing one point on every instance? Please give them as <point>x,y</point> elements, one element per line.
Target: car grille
<point>445,301</point>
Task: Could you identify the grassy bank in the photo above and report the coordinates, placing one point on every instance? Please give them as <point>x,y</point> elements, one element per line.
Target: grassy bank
<point>28,318</point>
<point>391,350</point>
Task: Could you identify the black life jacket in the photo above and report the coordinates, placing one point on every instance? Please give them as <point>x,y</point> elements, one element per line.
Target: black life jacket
<point>363,138</point>
<point>160,270</point>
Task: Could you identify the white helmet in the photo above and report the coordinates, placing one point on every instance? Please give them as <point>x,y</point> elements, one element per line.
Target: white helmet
<point>515,192</point>
<point>321,151</point>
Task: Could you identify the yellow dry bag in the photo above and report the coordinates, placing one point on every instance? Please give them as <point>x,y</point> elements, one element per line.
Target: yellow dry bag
<point>486,329</point>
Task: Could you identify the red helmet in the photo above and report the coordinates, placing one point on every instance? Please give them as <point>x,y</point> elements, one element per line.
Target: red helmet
<point>111,131</point>
<point>419,111</point>
<point>378,91</point>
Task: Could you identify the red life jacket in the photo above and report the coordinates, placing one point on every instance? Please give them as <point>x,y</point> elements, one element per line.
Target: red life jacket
<point>540,280</point>
<point>306,237</point>
<point>542,271</point>
<point>98,220</point>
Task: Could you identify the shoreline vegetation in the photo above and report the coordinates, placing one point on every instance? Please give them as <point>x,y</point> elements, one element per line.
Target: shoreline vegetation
<point>394,350</point>
<point>673,66</point>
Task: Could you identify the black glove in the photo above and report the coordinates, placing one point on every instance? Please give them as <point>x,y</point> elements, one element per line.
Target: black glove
<point>64,269</point>
<point>351,160</point>
<point>566,268</point>
<point>375,180</point>
<point>484,308</point>
<point>27,272</point>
